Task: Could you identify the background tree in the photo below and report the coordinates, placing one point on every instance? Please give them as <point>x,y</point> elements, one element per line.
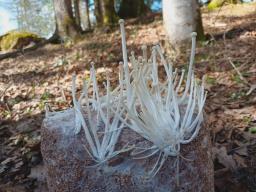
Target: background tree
<point>84,10</point>
<point>66,27</point>
<point>181,18</point>
<point>98,12</point>
<point>105,13</point>
<point>109,14</point>
<point>77,13</point>
<point>132,8</point>
<point>87,14</point>
<point>31,15</point>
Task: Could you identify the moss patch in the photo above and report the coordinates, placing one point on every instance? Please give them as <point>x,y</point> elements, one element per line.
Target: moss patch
<point>215,4</point>
<point>17,40</point>
<point>218,3</point>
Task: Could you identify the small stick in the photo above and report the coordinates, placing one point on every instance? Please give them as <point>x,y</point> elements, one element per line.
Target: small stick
<point>252,87</point>
<point>238,72</point>
<point>6,88</point>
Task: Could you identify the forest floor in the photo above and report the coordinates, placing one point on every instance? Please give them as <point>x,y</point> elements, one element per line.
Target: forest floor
<point>29,81</point>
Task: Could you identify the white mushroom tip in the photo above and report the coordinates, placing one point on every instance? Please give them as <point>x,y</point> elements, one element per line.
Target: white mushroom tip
<point>193,34</point>
<point>92,64</point>
<point>121,21</point>
<point>154,47</point>
<point>144,47</point>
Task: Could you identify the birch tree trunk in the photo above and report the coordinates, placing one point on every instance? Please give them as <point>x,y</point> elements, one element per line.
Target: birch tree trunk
<point>88,14</point>
<point>84,12</point>
<point>181,18</point>
<point>66,27</point>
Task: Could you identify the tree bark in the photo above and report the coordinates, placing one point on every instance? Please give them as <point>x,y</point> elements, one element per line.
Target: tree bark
<point>132,9</point>
<point>181,18</point>
<point>98,12</point>
<point>88,14</point>
<point>109,14</point>
<point>67,163</point>
<point>105,12</point>
<point>85,14</point>
<point>77,14</point>
<point>66,27</point>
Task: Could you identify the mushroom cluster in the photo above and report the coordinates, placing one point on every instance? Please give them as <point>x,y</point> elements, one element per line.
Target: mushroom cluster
<point>164,112</point>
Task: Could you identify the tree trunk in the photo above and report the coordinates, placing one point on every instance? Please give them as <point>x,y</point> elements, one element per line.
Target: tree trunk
<point>66,27</point>
<point>109,14</point>
<point>85,14</point>
<point>98,12</point>
<point>181,18</point>
<point>77,13</point>
<point>68,164</point>
<point>88,14</point>
<point>105,12</point>
<point>132,9</point>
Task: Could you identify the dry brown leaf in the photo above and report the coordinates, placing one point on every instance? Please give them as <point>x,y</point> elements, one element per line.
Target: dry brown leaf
<point>9,188</point>
<point>224,158</point>
<point>239,161</point>
<point>242,151</point>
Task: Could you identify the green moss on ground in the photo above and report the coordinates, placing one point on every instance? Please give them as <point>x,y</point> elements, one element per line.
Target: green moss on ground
<point>215,4</point>
<point>17,40</point>
<point>218,3</point>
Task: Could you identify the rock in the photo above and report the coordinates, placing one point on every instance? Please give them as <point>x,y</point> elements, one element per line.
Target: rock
<point>67,163</point>
<point>38,173</point>
<point>3,168</point>
<point>17,40</point>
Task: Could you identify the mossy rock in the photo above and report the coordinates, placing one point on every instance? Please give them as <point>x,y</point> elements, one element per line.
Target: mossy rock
<point>215,4</point>
<point>218,3</point>
<point>17,40</point>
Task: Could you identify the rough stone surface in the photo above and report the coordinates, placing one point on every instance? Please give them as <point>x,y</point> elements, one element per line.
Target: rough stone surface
<point>68,164</point>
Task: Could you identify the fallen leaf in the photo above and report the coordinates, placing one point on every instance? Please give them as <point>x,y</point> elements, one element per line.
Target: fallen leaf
<point>224,158</point>
<point>242,151</point>
<point>239,161</point>
<point>38,173</point>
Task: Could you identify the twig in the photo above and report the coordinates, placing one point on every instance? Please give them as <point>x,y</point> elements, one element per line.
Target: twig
<point>238,72</point>
<point>63,94</point>
<point>252,87</point>
<point>7,87</point>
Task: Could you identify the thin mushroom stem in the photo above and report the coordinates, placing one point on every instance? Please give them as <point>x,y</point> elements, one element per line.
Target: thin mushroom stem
<point>191,62</point>
<point>158,111</point>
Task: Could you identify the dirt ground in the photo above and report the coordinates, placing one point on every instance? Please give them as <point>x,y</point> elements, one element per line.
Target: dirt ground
<point>29,81</point>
